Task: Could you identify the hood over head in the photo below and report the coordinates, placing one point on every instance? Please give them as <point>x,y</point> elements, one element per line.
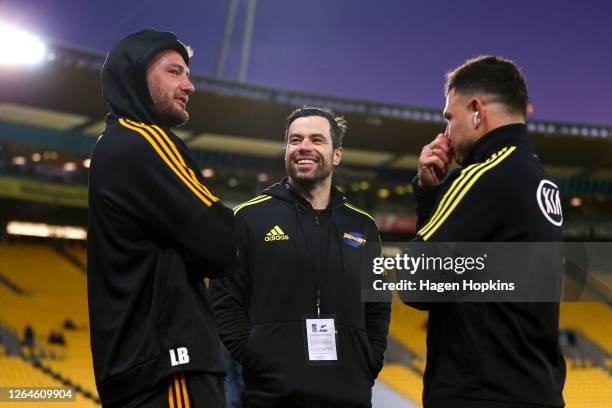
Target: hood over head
<point>124,82</point>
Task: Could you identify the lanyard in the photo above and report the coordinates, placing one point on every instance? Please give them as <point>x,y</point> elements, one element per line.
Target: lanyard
<point>321,260</point>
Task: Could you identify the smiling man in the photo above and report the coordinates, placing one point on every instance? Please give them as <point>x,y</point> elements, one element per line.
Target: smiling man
<point>155,231</point>
<point>292,313</point>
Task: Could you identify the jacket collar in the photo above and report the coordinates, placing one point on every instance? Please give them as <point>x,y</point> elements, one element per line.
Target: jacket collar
<point>283,190</point>
<point>514,134</point>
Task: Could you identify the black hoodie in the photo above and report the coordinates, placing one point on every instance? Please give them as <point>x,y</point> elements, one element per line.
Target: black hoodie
<point>287,247</point>
<point>155,231</point>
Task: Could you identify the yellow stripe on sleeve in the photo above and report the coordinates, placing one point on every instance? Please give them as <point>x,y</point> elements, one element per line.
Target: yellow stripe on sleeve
<point>193,176</point>
<point>251,202</point>
<point>246,202</point>
<point>161,154</point>
<point>174,155</point>
<point>456,186</point>
<point>481,170</point>
<point>454,189</point>
<point>360,211</point>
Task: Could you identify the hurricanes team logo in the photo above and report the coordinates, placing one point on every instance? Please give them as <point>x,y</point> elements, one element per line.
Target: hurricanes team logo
<point>276,234</point>
<point>354,239</point>
<point>550,202</point>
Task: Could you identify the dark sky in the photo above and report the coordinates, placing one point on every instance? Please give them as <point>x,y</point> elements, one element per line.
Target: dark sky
<point>385,50</point>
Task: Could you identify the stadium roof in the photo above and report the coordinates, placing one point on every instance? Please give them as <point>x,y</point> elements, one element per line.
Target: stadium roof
<point>63,96</point>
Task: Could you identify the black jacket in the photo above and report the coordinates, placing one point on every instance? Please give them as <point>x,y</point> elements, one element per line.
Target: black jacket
<point>155,231</point>
<point>260,308</point>
<point>493,354</point>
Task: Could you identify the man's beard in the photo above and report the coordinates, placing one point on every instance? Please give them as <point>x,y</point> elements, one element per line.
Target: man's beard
<point>308,180</point>
<point>168,114</point>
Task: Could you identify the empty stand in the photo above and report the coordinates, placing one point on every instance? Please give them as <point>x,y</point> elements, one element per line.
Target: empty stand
<point>588,384</point>
<point>51,287</point>
<point>55,290</point>
<point>409,327</point>
<point>592,319</point>
<point>587,388</point>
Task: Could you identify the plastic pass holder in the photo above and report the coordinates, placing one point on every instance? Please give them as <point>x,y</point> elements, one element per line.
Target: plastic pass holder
<point>321,340</point>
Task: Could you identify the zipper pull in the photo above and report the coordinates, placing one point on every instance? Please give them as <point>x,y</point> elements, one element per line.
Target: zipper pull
<point>316,219</point>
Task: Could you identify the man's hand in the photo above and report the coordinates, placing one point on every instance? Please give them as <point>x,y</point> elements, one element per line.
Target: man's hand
<point>435,161</point>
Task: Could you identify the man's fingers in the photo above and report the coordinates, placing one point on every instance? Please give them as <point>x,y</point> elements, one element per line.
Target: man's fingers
<point>442,140</point>
<point>440,136</point>
<point>442,155</point>
<point>434,151</point>
<point>439,145</point>
<point>428,177</point>
<point>433,161</point>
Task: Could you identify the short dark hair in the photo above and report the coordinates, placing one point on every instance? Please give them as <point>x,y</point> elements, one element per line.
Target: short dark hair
<point>337,123</point>
<point>491,75</point>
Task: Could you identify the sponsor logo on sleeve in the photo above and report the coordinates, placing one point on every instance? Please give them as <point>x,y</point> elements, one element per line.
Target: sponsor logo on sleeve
<point>549,200</point>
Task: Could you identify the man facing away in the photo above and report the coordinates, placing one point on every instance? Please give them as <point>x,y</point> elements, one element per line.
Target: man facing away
<point>489,355</point>
<point>292,313</point>
<point>155,232</point>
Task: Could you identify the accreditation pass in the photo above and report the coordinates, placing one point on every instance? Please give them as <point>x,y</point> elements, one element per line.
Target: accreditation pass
<point>321,337</point>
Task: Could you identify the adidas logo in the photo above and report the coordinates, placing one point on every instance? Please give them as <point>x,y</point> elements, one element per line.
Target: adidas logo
<point>276,234</point>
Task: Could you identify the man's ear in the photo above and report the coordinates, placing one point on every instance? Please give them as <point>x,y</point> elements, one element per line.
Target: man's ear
<point>478,112</point>
<point>337,156</point>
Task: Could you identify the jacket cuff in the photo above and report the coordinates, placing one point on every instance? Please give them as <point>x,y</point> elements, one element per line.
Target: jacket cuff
<point>425,195</point>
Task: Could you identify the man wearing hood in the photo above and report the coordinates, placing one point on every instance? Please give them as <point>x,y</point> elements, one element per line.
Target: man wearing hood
<point>155,231</point>
<point>292,313</point>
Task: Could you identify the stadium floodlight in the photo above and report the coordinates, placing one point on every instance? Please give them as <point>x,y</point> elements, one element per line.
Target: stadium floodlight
<point>19,48</point>
<point>208,173</point>
<point>70,166</point>
<point>31,229</point>
<point>19,160</point>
